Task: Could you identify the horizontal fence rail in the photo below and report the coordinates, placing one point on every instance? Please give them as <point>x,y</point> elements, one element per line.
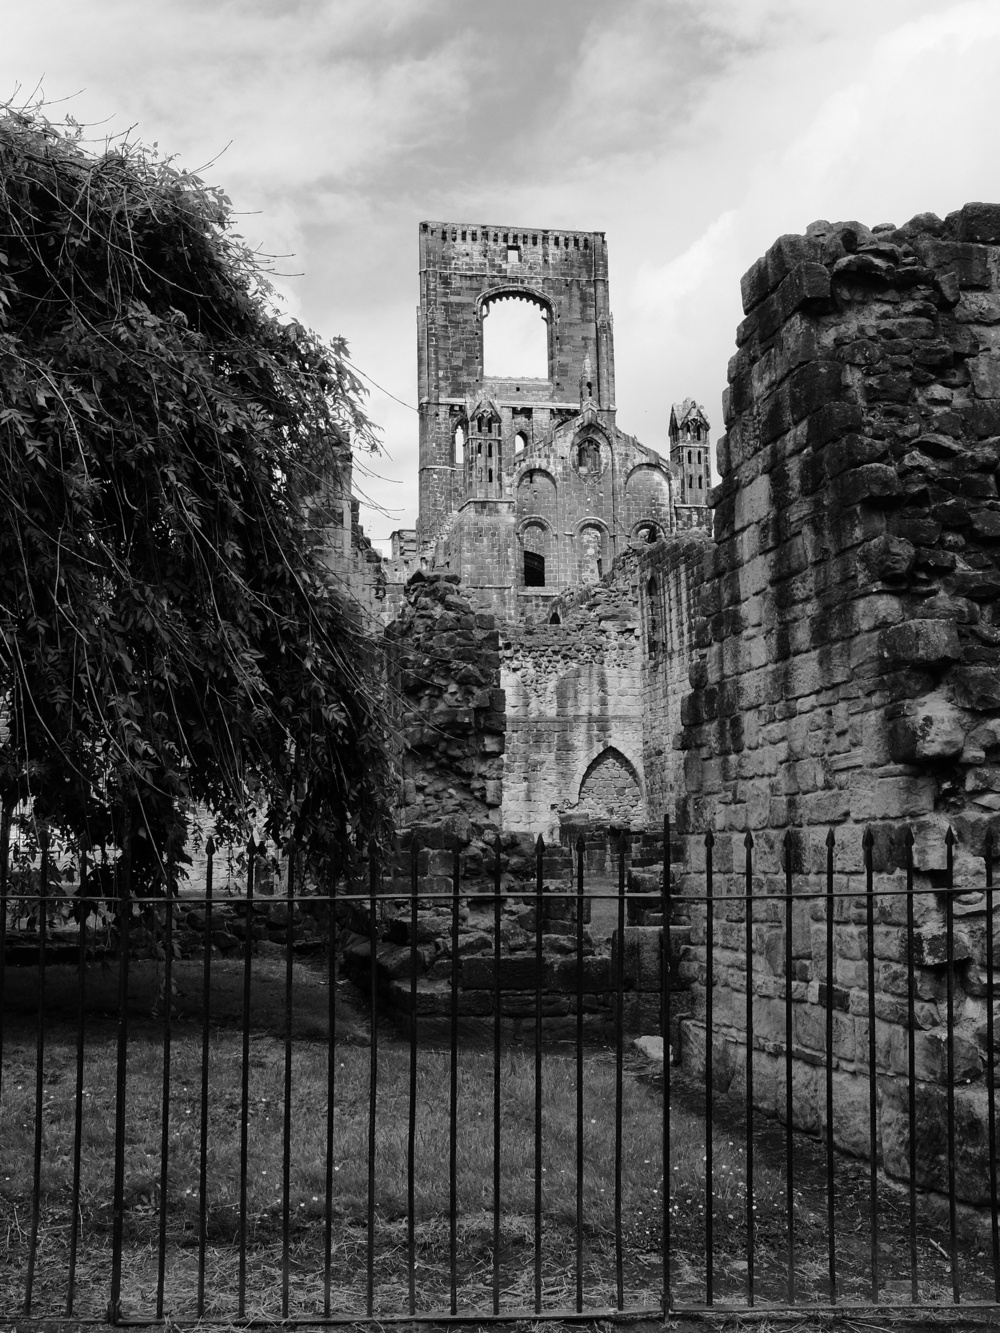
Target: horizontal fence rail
<point>231,1131</point>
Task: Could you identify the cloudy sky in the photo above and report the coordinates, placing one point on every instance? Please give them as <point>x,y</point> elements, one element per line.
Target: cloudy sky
<point>692,132</point>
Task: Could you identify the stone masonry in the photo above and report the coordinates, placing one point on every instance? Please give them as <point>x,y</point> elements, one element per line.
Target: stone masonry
<point>527,485</point>
<point>851,631</point>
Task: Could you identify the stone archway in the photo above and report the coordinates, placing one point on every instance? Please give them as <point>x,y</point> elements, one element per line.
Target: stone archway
<point>610,791</point>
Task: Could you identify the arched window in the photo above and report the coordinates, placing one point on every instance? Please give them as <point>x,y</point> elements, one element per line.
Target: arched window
<point>554,618</point>
<point>520,442</point>
<point>515,339</point>
<point>535,548</point>
<point>652,604</point>
<point>588,458</point>
<point>459,446</point>
<point>591,553</point>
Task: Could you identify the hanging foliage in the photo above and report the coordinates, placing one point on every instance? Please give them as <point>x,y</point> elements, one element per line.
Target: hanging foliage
<point>170,632</point>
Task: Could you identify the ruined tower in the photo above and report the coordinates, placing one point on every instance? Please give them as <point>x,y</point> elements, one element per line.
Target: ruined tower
<point>526,484</point>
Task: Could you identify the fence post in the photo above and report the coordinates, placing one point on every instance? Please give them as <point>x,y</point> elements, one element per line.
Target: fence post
<point>789,1100</point>
<point>911,1063</point>
<point>868,844</point>
<point>991,1066</point>
<point>830,1182</point>
<point>36,1183</point>
<point>751,1220</point>
<point>949,842</point>
<point>123,868</point>
<point>665,965</point>
<point>539,909</point>
<point>709,1062</point>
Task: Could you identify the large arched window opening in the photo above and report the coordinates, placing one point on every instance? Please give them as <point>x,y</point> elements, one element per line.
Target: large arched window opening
<point>535,550</point>
<point>459,446</point>
<point>515,339</point>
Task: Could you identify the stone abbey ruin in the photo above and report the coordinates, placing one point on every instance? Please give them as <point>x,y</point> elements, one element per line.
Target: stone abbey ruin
<point>583,639</point>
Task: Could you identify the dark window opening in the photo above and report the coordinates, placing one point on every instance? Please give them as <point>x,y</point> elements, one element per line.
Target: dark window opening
<point>690,479</point>
<point>689,455</point>
<point>489,450</point>
<point>534,570</point>
<point>700,482</point>
<point>554,618</point>
<point>489,475</point>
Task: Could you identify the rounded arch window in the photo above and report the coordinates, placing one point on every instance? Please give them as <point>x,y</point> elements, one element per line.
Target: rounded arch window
<point>646,532</point>
<point>536,549</point>
<point>520,443</point>
<point>459,444</point>
<point>591,546</point>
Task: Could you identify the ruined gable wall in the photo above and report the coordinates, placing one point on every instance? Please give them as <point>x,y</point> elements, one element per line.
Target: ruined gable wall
<point>852,630</point>
<point>611,674</point>
<point>572,690</point>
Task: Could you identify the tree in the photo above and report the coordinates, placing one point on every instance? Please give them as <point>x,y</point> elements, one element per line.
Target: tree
<point>170,632</point>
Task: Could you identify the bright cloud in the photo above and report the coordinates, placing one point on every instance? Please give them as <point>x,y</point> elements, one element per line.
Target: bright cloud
<point>693,132</point>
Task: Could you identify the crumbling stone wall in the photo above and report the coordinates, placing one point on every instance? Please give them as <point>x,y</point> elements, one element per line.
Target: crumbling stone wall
<point>444,676</point>
<point>574,700</point>
<point>852,676</point>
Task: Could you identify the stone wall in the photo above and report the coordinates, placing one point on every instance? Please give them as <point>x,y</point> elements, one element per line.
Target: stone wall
<point>574,714</point>
<point>852,678</point>
<point>666,578</point>
<point>444,677</point>
<point>594,701</point>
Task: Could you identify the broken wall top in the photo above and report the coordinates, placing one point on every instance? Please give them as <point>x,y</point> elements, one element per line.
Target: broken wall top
<point>851,608</point>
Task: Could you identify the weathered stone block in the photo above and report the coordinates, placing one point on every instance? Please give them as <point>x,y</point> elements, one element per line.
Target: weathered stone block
<point>516,974</point>
<point>920,641</point>
<point>934,729</point>
<point>873,484</point>
<point>979,222</point>
<point>976,687</point>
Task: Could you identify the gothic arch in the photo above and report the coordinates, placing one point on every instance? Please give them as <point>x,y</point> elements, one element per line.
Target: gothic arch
<point>610,788</point>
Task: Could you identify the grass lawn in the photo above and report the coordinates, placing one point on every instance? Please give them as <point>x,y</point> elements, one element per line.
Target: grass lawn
<point>305,1275</point>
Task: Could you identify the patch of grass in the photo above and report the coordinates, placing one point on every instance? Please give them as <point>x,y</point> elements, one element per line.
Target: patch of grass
<point>209,1238</point>
<point>243,1213</point>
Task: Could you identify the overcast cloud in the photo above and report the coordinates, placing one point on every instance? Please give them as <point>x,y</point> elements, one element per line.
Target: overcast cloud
<point>692,133</point>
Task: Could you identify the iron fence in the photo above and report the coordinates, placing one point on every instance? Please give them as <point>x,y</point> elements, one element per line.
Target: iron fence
<point>439,1153</point>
